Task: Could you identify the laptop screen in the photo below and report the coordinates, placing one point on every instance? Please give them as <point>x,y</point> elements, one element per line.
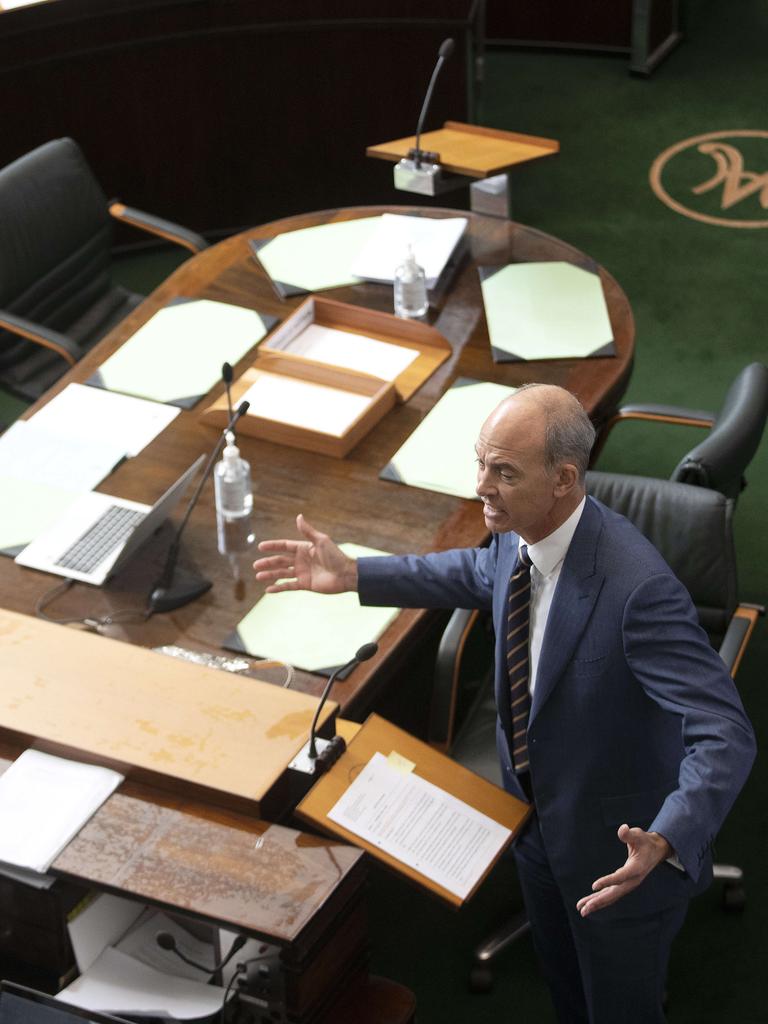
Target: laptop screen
<point>21,1005</point>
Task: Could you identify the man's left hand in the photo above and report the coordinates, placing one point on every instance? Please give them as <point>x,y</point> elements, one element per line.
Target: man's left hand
<point>644,851</point>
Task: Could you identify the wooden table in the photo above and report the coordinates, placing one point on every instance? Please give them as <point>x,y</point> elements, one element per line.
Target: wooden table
<point>344,497</point>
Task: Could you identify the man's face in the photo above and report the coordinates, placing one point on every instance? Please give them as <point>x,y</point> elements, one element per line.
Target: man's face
<point>518,492</point>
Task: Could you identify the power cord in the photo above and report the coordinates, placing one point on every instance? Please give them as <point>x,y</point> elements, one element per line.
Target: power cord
<point>127,615</point>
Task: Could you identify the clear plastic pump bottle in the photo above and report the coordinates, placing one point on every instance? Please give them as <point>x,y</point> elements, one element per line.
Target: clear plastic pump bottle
<point>232,483</point>
<point>410,288</point>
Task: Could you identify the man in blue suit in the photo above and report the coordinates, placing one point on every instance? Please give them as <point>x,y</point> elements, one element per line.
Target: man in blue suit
<point>616,719</point>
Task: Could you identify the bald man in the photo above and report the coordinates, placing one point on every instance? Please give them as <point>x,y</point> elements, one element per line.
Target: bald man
<point>616,719</point>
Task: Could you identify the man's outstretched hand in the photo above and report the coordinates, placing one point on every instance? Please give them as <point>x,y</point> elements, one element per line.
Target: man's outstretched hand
<point>313,563</point>
<point>644,851</point>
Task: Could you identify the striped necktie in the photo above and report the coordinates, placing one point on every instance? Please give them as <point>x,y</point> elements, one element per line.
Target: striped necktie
<point>518,618</point>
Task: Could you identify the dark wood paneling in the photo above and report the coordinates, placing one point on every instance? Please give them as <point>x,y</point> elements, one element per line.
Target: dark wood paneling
<point>226,113</point>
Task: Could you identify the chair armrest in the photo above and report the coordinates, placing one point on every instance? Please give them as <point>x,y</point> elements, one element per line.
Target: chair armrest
<point>666,414</point>
<point>674,414</point>
<point>158,226</point>
<point>446,680</point>
<point>63,346</point>
<point>738,634</point>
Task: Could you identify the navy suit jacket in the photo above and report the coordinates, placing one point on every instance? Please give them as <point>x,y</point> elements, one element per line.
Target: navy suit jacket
<point>634,717</point>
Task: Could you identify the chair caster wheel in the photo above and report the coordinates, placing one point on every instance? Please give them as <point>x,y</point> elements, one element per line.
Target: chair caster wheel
<point>734,899</point>
<point>480,979</point>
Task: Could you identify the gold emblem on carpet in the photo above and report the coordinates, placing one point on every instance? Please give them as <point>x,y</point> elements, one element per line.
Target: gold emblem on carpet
<point>717,178</point>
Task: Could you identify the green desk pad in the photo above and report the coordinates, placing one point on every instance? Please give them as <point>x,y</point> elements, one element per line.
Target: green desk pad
<point>177,355</point>
<point>312,259</point>
<point>545,311</point>
<point>314,632</point>
<point>440,453</point>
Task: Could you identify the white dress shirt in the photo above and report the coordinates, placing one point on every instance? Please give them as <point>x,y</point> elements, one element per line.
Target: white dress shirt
<point>547,558</point>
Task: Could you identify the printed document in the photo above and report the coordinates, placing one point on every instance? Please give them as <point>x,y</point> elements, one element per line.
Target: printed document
<point>44,802</point>
<point>433,240</point>
<point>420,825</point>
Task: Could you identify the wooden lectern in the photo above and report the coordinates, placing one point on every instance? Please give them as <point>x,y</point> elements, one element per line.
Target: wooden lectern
<point>457,152</point>
<point>206,755</point>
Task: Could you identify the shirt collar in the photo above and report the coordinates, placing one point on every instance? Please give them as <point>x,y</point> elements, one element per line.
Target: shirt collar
<point>549,552</point>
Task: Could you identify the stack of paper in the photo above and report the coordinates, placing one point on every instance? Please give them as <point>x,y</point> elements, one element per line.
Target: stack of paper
<point>44,802</point>
<point>346,349</point>
<point>65,450</point>
<point>433,240</point>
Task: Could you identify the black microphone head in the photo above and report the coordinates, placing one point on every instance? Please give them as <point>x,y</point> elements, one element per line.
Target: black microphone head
<point>446,48</point>
<point>243,408</point>
<point>366,651</point>
<point>165,940</point>
<point>227,373</point>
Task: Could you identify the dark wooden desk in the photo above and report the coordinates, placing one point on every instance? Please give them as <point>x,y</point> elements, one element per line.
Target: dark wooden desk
<point>343,497</point>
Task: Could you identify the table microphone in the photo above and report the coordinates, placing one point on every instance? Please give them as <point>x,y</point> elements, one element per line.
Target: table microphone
<point>165,595</point>
<point>167,941</point>
<point>227,374</point>
<point>445,51</point>
<point>322,761</point>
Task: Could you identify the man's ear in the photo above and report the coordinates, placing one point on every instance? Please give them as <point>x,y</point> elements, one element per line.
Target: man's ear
<point>567,479</point>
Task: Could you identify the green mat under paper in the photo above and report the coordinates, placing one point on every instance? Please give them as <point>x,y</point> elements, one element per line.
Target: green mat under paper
<point>315,632</point>
<point>176,356</point>
<point>312,259</point>
<point>440,453</point>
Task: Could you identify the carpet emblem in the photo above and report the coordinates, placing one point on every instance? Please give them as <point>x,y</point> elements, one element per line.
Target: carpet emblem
<point>716,178</point>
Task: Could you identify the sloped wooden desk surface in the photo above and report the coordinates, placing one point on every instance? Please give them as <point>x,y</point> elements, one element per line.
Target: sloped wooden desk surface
<point>343,497</point>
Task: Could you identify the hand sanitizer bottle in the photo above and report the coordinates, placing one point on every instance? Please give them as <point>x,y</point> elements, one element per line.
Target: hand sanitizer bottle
<point>410,288</point>
<point>232,483</point>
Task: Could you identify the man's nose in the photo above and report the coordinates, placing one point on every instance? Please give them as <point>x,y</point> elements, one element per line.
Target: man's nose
<point>484,483</point>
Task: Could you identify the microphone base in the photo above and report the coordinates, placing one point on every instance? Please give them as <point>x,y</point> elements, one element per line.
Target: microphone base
<point>427,180</point>
<point>184,589</point>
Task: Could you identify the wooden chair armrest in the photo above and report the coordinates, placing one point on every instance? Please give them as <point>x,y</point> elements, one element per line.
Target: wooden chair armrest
<point>669,414</point>
<point>738,634</point>
<point>158,226</point>
<point>59,343</point>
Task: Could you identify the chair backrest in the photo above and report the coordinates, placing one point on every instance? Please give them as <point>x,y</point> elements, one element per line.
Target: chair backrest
<point>692,528</point>
<point>54,235</point>
<point>720,460</point>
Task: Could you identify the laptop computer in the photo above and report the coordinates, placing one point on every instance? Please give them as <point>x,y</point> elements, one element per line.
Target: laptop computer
<point>98,533</point>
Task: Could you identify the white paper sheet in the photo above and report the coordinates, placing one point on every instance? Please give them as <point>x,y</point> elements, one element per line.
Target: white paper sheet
<point>140,943</point>
<point>80,412</point>
<point>44,802</point>
<point>98,924</point>
<point>433,240</point>
<point>352,351</point>
<point>28,451</point>
<point>421,825</point>
<point>302,404</point>
<point>117,983</point>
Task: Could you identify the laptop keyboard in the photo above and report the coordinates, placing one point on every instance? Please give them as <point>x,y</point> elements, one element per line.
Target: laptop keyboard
<point>100,539</point>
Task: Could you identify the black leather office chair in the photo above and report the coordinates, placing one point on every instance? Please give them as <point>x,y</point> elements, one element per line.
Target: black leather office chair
<point>56,295</point>
<point>691,524</point>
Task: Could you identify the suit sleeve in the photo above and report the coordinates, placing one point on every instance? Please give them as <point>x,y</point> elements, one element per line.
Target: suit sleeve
<point>462,578</point>
<point>672,659</point>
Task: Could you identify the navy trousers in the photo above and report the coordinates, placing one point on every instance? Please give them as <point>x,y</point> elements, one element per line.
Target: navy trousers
<point>603,969</point>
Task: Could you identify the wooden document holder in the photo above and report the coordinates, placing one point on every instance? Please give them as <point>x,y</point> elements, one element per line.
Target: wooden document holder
<point>379,736</point>
<point>275,360</point>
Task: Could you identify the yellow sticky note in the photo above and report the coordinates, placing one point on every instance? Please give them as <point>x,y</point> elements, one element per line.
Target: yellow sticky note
<point>400,763</point>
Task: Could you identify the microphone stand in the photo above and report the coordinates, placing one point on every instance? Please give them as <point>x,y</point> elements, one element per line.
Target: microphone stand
<point>167,594</point>
<point>446,49</point>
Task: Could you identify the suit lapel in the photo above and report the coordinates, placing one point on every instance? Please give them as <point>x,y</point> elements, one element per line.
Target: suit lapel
<point>575,596</point>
